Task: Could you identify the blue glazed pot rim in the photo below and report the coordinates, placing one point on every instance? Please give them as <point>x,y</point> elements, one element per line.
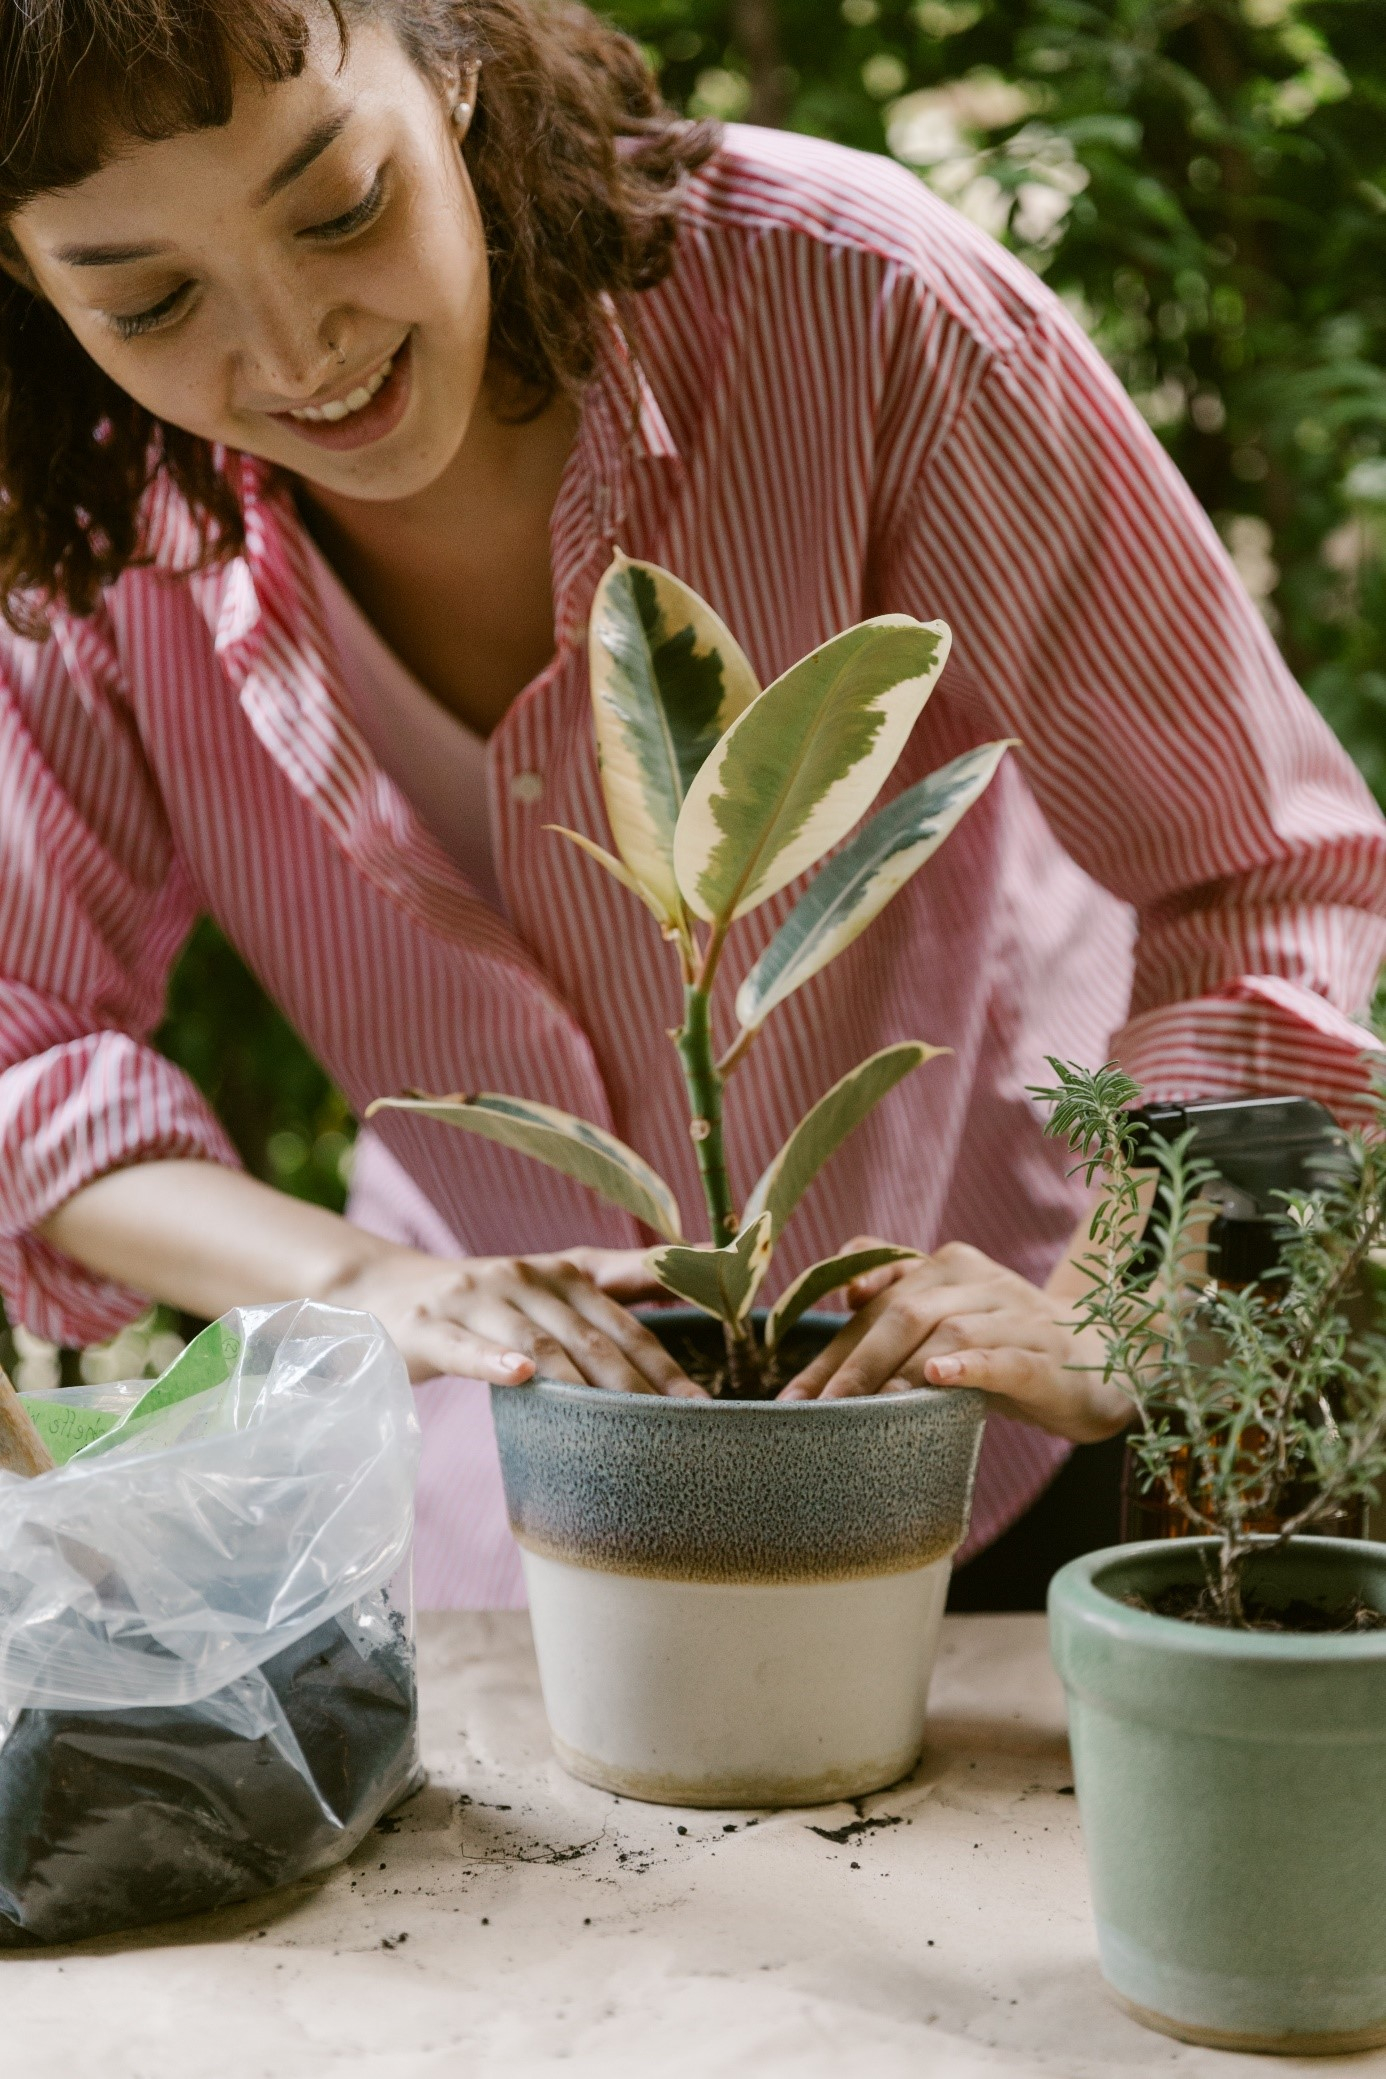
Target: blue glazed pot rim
<point>859,1405</point>
<point>685,1317</point>
<point>1076,1598</point>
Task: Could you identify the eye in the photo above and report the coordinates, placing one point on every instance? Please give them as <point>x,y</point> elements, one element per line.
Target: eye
<point>158,314</point>
<point>355,219</point>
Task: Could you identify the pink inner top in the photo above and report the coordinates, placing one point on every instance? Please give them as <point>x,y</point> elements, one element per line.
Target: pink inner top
<point>437,761</point>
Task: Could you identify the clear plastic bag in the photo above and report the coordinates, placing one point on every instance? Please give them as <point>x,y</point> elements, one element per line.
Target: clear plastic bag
<point>206,1655</point>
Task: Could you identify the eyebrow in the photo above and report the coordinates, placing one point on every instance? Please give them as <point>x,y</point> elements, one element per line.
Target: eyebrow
<point>105,255</point>
<point>299,160</point>
<point>313,146</point>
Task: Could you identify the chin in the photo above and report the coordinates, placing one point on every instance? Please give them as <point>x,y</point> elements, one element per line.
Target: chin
<point>401,467</point>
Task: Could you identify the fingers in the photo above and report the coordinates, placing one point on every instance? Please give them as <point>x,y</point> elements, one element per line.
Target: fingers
<point>442,1349</point>
<point>809,1383</point>
<point>623,1273</point>
<point>1029,1386</point>
<point>956,1263</point>
<point>877,1345</point>
<point>865,1288</point>
<point>610,1348</point>
<point>502,1321</point>
<point>657,1371</point>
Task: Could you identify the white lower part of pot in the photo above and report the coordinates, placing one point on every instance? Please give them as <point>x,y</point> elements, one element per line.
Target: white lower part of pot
<point>735,1694</point>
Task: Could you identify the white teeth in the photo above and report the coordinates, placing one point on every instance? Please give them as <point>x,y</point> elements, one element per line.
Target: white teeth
<point>343,407</point>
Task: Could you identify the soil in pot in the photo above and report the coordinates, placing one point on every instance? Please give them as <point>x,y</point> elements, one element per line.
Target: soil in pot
<point>1190,1604</point>
<point>698,1345</point>
<point>112,1819</point>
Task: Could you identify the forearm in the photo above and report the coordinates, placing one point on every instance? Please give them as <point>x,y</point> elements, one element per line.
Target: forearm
<point>205,1238</point>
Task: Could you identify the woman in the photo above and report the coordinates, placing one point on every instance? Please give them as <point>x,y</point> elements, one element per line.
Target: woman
<point>340,348</point>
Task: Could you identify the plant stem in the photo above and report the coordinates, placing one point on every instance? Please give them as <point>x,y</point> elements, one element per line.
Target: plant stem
<point>694,1042</point>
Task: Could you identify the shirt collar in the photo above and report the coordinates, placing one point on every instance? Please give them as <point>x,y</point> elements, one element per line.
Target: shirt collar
<point>624,467</point>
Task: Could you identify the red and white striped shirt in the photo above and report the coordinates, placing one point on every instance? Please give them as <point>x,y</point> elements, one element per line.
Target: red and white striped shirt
<point>847,400</point>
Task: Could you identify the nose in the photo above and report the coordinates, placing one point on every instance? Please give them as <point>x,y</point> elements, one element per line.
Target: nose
<point>290,353</point>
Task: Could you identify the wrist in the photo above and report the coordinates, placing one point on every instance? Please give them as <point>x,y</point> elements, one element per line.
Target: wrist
<point>348,1271</point>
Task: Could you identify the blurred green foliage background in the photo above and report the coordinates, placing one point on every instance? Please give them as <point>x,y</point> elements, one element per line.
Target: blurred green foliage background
<point>1203,181</point>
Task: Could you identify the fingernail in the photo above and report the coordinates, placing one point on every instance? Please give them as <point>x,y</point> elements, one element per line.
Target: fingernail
<point>942,1369</point>
<point>792,1393</point>
<point>514,1361</point>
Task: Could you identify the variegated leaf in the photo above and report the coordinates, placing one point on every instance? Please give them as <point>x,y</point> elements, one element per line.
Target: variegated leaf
<point>822,1278</point>
<point>580,1150</point>
<point>822,1130</point>
<point>723,1281</point>
<point>855,887</point>
<point>803,763</point>
<point>618,870</point>
<point>667,678</point>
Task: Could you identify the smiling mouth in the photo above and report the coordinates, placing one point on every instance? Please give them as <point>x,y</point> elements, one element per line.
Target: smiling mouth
<point>343,407</point>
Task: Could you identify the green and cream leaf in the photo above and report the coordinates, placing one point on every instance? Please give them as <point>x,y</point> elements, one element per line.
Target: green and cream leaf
<point>822,1278</point>
<point>787,781</point>
<point>722,1281</point>
<point>853,889</point>
<point>668,678</point>
<point>617,868</point>
<point>580,1150</point>
<point>821,1132</point>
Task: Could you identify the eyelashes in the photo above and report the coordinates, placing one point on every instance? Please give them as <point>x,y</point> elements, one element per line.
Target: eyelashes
<point>148,320</point>
<point>332,232</point>
<point>355,219</point>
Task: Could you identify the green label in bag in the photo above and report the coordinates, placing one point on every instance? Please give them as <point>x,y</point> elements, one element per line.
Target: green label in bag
<point>67,1429</point>
<point>208,1361</point>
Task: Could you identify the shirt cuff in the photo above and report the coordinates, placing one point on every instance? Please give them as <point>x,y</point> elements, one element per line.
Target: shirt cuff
<point>68,1116</point>
<point>1256,1037</point>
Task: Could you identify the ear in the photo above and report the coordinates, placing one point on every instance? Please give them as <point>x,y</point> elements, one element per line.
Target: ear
<point>14,263</point>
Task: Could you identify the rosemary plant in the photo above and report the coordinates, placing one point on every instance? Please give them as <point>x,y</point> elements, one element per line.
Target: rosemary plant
<point>1253,1405</point>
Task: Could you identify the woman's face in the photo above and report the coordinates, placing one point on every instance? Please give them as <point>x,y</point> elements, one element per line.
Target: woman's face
<point>308,283</point>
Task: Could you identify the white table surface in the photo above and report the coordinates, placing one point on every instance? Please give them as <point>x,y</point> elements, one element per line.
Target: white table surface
<point>510,1921</point>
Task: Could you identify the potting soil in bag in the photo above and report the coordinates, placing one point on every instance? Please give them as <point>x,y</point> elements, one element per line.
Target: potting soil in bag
<point>206,1655</point>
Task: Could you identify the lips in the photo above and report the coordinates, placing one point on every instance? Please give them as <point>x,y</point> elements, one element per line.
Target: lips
<point>368,411</point>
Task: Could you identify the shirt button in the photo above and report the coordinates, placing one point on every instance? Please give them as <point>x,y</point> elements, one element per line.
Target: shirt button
<point>526,787</point>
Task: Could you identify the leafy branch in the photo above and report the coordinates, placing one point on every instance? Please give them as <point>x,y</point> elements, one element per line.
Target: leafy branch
<point>1260,1410</point>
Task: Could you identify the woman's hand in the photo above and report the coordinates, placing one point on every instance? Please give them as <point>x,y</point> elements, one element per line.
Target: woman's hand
<point>502,1318</point>
<point>957,1319</point>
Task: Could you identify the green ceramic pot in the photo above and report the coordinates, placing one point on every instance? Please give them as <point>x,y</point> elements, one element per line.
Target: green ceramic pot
<point>1232,1787</point>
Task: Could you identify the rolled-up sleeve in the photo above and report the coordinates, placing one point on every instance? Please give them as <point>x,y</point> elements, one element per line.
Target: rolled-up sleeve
<point>1097,618</point>
<point>94,907</point>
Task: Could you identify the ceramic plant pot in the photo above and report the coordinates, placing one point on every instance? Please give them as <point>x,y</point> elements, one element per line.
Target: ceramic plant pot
<point>1233,1795</point>
<point>736,1603</point>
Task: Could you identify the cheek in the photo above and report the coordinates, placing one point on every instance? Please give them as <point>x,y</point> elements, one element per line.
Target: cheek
<point>185,383</point>
<point>445,251</point>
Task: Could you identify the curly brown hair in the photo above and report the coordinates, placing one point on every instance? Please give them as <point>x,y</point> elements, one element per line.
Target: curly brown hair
<point>576,163</point>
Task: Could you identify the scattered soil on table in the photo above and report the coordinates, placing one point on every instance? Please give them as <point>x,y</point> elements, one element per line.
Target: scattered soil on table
<point>1192,1605</point>
<point>112,1819</point>
<point>854,1829</point>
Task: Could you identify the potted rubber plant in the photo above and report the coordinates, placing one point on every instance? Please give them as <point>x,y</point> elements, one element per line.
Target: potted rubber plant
<point>736,1600</point>
<point>1227,1689</point>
